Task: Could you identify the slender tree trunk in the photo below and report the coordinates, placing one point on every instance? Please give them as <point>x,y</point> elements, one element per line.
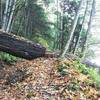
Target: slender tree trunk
<point>5,15</point>
<point>56,42</point>
<point>77,43</point>
<point>62,29</point>
<point>89,28</point>
<point>0,14</point>
<point>73,29</point>
<point>11,15</point>
<point>8,13</point>
<point>27,17</point>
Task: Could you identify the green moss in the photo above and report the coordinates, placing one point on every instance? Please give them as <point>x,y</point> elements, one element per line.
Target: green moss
<point>7,58</point>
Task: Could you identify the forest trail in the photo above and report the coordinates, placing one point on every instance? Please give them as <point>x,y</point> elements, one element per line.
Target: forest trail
<point>45,79</point>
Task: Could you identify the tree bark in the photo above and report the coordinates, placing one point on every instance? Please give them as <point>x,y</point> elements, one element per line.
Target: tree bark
<point>73,29</point>
<point>77,43</point>
<point>5,17</point>
<point>20,47</point>
<point>12,8</point>
<point>0,14</point>
<point>89,27</point>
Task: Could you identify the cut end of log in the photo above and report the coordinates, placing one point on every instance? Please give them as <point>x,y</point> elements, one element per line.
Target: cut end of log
<point>52,54</point>
<point>23,48</point>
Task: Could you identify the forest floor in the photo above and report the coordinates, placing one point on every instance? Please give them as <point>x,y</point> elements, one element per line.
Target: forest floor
<point>45,79</point>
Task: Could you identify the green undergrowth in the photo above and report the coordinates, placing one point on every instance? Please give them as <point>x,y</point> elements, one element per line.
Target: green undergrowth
<point>7,58</point>
<point>94,76</point>
<point>92,72</point>
<point>82,68</point>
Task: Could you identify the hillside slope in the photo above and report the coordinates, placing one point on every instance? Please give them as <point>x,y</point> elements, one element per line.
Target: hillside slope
<point>46,79</point>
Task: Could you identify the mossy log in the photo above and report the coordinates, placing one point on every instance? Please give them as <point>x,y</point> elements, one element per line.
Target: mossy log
<point>20,47</point>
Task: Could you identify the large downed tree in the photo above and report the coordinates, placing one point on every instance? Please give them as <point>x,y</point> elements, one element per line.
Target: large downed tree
<point>21,47</point>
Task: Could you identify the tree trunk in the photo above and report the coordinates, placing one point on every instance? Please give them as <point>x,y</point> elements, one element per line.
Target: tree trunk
<point>0,14</point>
<point>77,44</point>
<point>12,8</point>
<point>20,47</point>
<point>73,29</point>
<point>5,17</point>
<point>89,27</point>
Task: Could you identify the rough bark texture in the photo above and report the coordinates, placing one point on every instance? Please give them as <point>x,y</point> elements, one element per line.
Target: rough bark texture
<point>20,47</point>
<point>82,26</point>
<point>0,14</point>
<point>73,29</point>
<point>85,43</point>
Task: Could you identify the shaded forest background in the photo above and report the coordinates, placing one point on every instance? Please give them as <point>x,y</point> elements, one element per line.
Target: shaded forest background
<point>59,25</point>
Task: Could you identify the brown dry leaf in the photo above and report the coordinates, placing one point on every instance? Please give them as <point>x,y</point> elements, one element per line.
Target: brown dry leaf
<point>83,77</point>
<point>74,72</point>
<point>46,83</point>
<point>66,79</point>
<point>75,98</point>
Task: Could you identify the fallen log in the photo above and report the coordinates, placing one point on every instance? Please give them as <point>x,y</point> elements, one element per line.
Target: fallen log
<point>91,64</point>
<point>20,47</point>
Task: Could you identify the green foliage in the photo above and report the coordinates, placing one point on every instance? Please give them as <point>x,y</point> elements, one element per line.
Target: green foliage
<point>42,41</point>
<point>30,20</point>
<point>92,72</point>
<point>7,58</point>
<point>65,17</point>
<point>61,70</point>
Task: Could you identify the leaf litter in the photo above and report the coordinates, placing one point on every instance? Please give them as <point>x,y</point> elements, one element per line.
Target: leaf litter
<point>45,79</point>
